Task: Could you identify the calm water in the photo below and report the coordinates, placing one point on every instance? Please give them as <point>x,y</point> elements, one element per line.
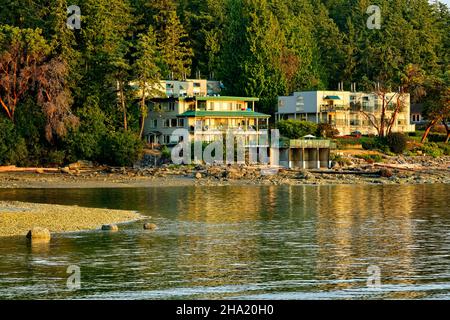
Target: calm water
<point>243,243</point>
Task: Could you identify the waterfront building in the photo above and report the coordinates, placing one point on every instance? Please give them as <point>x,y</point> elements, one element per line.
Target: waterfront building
<point>347,111</point>
<point>196,105</point>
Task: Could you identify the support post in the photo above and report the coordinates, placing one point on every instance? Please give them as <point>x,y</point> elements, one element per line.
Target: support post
<point>318,158</point>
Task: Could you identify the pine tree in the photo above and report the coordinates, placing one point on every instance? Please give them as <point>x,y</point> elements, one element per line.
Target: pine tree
<point>172,39</point>
<point>147,70</point>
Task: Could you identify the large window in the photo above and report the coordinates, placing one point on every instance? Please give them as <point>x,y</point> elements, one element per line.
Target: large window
<point>171,106</point>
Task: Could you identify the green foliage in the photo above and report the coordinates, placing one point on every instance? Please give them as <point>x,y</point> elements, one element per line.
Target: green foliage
<point>340,160</point>
<point>370,158</point>
<point>84,142</point>
<point>396,142</point>
<point>13,149</point>
<point>165,153</point>
<point>432,149</point>
<point>121,148</point>
<point>326,130</point>
<point>294,129</point>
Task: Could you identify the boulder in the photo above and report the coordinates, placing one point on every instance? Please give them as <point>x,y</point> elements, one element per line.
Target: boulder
<point>198,175</point>
<point>386,173</point>
<point>110,227</point>
<point>66,170</point>
<point>38,233</point>
<point>150,226</point>
<point>81,164</point>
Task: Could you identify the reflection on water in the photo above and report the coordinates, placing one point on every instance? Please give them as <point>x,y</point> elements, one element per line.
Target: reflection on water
<point>290,242</point>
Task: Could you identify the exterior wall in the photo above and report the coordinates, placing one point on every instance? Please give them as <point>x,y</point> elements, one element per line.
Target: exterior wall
<point>189,88</point>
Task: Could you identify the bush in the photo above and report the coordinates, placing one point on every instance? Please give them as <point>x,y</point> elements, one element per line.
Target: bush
<point>13,149</point>
<point>436,137</point>
<point>294,129</point>
<point>445,147</point>
<point>370,158</point>
<point>165,153</point>
<point>327,130</point>
<point>84,143</point>
<point>121,148</point>
<point>55,158</point>
<point>432,149</point>
<point>396,142</point>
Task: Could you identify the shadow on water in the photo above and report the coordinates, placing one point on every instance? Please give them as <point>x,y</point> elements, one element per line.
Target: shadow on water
<point>289,242</point>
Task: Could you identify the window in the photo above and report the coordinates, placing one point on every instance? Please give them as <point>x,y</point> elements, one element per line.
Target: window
<point>173,122</point>
<point>197,84</point>
<point>299,104</point>
<point>167,123</point>
<point>181,123</point>
<point>171,106</point>
<point>154,123</point>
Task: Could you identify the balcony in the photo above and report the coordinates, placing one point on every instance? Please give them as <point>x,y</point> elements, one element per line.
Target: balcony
<point>333,108</point>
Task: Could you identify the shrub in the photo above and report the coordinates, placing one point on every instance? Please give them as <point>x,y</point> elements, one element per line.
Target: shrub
<point>436,137</point>
<point>84,143</point>
<point>370,158</point>
<point>326,130</point>
<point>294,129</point>
<point>396,142</point>
<point>121,148</point>
<point>432,149</point>
<point>445,147</point>
<point>340,160</point>
<point>55,158</point>
<point>165,152</point>
<point>13,149</point>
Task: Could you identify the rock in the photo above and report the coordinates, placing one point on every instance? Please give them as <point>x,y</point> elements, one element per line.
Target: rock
<point>81,164</point>
<point>65,170</point>
<point>110,227</point>
<point>38,233</point>
<point>150,226</point>
<point>198,175</point>
<point>40,171</point>
<point>386,173</point>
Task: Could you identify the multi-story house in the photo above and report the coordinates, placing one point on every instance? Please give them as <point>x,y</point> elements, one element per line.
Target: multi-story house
<point>347,111</point>
<point>196,105</point>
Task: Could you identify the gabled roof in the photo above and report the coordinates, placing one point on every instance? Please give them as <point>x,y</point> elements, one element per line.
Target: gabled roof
<point>224,114</point>
<point>332,98</point>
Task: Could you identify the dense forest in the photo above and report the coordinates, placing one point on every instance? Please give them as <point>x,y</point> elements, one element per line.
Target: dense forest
<point>65,92</point>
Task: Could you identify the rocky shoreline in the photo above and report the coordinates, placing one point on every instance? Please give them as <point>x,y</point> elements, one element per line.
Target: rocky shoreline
<point>17,218</point>
<point>392,170</point>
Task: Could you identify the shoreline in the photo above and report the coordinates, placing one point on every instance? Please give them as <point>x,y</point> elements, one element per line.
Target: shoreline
<point>17,218</point>
<point>222,176</point>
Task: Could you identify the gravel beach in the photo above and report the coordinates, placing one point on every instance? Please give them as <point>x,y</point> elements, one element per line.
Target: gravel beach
<point>17,218</point>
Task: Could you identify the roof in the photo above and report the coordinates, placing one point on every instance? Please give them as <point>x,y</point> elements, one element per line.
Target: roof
<point>332,98</point>
<point>220,114</point>
<point>416,108</point>
<point>226,98</point>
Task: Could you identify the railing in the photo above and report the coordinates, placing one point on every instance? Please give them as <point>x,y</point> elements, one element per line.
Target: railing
<point>304,143</point>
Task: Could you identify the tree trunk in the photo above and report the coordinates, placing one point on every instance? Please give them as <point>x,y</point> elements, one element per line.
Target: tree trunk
<point>123,105</point>
<point>427,131</point>
<point>141,132</point>
<point>447,128</point>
